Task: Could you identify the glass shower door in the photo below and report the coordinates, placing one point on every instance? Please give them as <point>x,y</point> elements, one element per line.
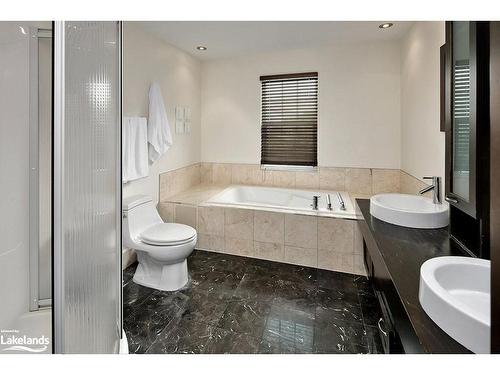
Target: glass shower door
<point>87,187</point>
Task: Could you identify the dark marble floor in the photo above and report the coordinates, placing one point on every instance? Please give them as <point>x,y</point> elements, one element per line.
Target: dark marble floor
<point>242,305</point>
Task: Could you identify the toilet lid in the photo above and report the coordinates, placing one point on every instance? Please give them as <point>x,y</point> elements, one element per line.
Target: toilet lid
<point>168,234</point>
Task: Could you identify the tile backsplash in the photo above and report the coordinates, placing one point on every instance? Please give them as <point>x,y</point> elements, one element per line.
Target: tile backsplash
<point>363,181</point>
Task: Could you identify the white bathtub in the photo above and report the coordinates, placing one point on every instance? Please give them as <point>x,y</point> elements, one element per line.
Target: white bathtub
<point>285,200</point>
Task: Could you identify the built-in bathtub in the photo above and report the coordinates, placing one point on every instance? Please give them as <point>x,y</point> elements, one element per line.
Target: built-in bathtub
<point>285,200</point>
<point>272,223</point>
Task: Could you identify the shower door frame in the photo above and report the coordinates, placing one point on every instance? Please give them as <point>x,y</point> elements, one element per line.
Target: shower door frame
<point>34,197</point>
<point>58,120</point>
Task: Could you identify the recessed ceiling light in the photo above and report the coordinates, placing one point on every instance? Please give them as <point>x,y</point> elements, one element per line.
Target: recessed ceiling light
<point>385,25</point>
<point>201,48</point>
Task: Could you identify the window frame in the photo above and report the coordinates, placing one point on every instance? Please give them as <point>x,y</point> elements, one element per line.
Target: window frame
<point>289,167</point>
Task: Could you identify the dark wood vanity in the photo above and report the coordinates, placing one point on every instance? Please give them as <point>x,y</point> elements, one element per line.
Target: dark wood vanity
<point>393,256</point>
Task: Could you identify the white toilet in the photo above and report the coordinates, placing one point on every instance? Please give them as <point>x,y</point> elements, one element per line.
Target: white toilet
<point>162,248</point>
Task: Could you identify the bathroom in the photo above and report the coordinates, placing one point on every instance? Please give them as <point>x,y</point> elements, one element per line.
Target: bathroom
<point>250,187</point>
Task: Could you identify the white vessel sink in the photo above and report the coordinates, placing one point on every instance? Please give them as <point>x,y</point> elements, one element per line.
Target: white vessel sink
<point>412,211</point>
<point>455,293</point>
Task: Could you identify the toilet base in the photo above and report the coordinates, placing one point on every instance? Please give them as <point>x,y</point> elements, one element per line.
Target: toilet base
<point>165,277</point>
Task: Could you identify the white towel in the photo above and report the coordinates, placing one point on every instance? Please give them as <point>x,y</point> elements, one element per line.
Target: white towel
<point>159,135</point>
<point>135,148</point>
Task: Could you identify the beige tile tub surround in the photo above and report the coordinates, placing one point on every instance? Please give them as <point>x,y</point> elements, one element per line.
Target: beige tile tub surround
<point>211,220</point>
<point>238,223</point>
<point>336,244</point>
<point>386,181</point>
<point>301,231</point>
<point>269,227</point>
<point>361,181</point>
<point>353,180</point>
<point>305,240</point>
<point>186,214</point>
<point>269,251</point>
<point>327,243</point>
<point>246,174</point>
<point>301,256</point>
<point>358,180</point>
<point>179,180</point>
<point>307,180</point>
<point>332,178</point>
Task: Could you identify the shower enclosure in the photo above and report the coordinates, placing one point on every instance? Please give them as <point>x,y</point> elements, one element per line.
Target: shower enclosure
<point>40,77</point>
<point>60,161</point>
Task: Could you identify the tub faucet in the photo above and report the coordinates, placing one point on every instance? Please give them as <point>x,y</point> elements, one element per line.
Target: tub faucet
<point>435,187</point>
<point>314,204</point>
<point>328,202</point>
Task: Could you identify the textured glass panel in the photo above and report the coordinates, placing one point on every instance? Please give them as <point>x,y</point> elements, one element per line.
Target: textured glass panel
<point>91,130</point>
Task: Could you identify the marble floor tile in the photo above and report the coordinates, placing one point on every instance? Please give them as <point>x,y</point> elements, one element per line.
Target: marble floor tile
<point>222,341</point>
<point>370,308</point>
<point>128,273</point>
<point>336,280</point>
<point>338,304</point>
<point>133,295</point>
<point>236,304</point>
<point>182,337</point>
<point>245,316</point>
<point>289,328</point>
<point>339,336</point>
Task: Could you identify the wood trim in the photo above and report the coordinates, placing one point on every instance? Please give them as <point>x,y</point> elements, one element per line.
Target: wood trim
<point>495,183</point>
<point>479,113</point>
<point>289,76</point>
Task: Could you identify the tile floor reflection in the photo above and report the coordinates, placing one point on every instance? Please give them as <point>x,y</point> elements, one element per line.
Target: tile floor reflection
<point>242,305</point>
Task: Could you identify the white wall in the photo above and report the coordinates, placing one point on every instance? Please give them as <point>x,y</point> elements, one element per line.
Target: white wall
<point>359,104</point>
<point>422,144</point>
<point>148,59</point>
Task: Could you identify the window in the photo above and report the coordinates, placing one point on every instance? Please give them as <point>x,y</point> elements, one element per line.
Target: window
<point>289,119</point>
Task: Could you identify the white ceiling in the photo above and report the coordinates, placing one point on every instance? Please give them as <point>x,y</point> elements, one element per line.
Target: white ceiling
<point>237,38</point>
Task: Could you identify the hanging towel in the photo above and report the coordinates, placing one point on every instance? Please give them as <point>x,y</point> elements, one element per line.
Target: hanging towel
<point>159,135</point>
<point>135,148</point>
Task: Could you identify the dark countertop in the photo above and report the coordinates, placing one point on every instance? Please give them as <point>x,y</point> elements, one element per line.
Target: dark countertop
<point>403,251</point>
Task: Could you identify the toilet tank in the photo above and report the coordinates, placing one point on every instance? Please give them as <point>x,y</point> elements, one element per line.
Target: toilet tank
<point>139,213</point>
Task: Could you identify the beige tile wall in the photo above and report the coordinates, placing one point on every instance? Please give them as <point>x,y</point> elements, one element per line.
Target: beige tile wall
<point>364,181</point>
<point>411,185</point>
<point>179,180</point>
<point>354,180</point>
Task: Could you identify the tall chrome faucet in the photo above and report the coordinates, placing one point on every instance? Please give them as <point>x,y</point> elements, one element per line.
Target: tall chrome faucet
<point>435,187</point>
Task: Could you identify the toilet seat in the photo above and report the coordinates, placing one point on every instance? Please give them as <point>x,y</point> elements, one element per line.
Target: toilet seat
<point>168,234</point>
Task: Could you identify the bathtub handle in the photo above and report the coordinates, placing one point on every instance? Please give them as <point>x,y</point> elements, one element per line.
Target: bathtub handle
<point>341,201</point>
<point>328,202</point>
<point>314,204</point>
